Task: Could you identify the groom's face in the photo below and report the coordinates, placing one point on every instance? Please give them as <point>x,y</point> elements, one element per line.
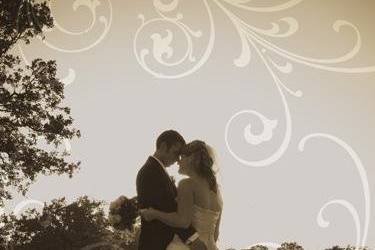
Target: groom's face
<point>173,153</point>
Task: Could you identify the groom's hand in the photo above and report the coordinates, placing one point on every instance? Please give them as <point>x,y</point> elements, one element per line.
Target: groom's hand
<point>198,245</point>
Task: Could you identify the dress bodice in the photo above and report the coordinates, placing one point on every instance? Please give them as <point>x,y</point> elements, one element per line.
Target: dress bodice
<point>204,221</point>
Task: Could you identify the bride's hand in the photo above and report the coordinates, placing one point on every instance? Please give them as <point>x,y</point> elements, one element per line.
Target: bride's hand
<point>148,214</point>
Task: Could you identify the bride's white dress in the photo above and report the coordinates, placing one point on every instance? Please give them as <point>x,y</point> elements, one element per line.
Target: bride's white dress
<point>204,221</point>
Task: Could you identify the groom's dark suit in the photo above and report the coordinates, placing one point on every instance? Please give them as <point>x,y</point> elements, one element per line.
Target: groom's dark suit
<point>156,189</point>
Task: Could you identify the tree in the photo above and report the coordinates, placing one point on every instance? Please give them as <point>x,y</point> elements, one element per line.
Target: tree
<point>22,20</point>
<point>33,120</point>
<point>81,224</point>
<point>290,246</point>
<point>258,247</point>
<point>347,248</point>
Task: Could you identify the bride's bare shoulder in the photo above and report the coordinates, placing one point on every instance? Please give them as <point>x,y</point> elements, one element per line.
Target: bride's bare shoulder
<point>186,183</point>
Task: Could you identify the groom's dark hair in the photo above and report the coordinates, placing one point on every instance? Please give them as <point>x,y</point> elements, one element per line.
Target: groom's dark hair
<point>170,137</point>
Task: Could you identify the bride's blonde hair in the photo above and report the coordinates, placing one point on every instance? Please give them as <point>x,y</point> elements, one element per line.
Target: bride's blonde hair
<point>203,161</point>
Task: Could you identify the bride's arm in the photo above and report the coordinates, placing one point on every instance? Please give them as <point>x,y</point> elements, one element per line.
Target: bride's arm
<point>181,218</point>
<point>217,228</point>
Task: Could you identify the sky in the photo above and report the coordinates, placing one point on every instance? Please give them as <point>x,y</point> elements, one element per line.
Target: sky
<point>230,73</point>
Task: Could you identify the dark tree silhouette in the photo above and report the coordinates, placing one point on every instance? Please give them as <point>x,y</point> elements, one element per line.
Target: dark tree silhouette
<point>33,119</point>
<point>290,246</point>
<point>258,247</point>
<point>22,20</point>
<point>127,209</point>
<point>347,248</point>
<point>79,225</point>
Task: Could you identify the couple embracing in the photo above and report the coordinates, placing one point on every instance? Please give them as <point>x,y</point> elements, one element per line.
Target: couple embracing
<point>183,217</point>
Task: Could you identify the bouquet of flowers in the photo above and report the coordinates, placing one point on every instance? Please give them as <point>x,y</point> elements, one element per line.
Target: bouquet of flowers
<point>123,213</point>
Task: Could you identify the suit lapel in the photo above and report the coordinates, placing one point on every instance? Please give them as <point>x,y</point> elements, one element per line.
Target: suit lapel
<point>166,178</point>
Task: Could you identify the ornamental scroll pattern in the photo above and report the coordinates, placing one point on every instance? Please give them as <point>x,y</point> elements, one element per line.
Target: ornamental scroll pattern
<point>92,6</point>
<point>157,59</point>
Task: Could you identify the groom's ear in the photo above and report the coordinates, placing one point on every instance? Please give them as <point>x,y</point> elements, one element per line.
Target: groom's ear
<point>163,146</point>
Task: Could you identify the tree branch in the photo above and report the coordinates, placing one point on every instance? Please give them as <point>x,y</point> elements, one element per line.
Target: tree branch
<point>11,43</point>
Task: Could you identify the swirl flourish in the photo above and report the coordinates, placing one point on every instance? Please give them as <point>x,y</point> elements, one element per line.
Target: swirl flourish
<point>365,188</point>
<point>252,38</point>
<point>92,6</point>
<point>162,45</point>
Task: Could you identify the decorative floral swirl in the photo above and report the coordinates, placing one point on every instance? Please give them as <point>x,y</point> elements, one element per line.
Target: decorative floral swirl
<point>162,45</point>
<point>254,38</point>
<point>20,206</point>
<point>67,80</point>
<point>250,36</point>
<point>283,6</point>
<point>315,62</point>
<point>349,206</point>
<point>266,135</point>
<point>360,243</point>
<point>92,6</point>
<point>288,131</point>
<point>255,34</point>
<point>365,188</point>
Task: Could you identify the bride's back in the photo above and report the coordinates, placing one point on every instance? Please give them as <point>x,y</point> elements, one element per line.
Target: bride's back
<point>204,197</point>
<point>207,210</point>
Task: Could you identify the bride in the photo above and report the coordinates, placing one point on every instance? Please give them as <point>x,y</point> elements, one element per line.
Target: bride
<point>199,199</point>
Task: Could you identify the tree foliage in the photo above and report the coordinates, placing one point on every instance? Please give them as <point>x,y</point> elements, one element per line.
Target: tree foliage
<point>258,247</point>
<point>81,224</point>
<point>290,246</point>
<point>21,20</point>
<point>34,121</point>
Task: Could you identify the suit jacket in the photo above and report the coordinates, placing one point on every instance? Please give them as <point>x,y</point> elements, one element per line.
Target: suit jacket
<point>156,189</point>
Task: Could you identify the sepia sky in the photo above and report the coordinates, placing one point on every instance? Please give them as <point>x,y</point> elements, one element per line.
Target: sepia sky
<point>273,192</point>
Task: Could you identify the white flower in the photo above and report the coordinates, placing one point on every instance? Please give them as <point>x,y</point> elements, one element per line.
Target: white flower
<point>114,205</point>
<point>114,219</point>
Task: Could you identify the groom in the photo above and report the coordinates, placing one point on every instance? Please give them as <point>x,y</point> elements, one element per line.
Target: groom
<point>156,189</point>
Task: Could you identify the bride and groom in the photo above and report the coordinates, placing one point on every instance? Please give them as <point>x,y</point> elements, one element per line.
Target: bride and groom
<point>184,217</point>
